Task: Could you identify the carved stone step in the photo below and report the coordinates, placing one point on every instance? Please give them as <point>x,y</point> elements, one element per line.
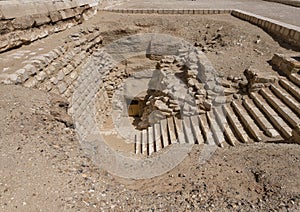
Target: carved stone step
<point>208,136</point>
<point>144,142</point>
<point>196,129</point>
<point>274,118</point>
<point>188,130</point>
<point>157,137</point>
<point>236,124</point>
<point>248,122</point>
<point>164,132</point>
<point>180,131</point>
<point>138,143</point>
<point>218,133</point>
<point>295,78</point>
<point>280,107</point>
<point>172,130</point>
<point>286,98</point>
<point>150,140</point>
<point>221,118</point>
<point>290,87</point>
<point>259,117</point>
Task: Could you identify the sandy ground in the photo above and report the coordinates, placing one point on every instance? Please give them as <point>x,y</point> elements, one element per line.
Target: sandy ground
<point>43,168</point>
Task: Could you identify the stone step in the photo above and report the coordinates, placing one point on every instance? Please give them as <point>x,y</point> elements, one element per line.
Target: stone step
<point>172,130</point>
<point>221,119</point>
<point>280,107</point>
<point>286,98</point>
<point>290,87</point>
<point>260,119</point>
<point>138,143</point>
<point>272,116</point>
<point>206,131</point>
<point>180,131</point>
<point>144,142</point>
<point>196,129</point>
<point>157,137</point>
<point>164,133</point>
<point>295,78</point>
<point>248,122</point>
<point>150,140</point>
<point>236,124</point>
<point>216,130</point>
<point>189,136</point>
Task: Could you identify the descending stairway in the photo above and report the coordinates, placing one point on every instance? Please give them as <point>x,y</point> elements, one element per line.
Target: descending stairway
<point>268,115</point>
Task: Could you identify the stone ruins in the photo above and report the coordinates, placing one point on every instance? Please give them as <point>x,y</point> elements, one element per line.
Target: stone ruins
<point>182,98</point>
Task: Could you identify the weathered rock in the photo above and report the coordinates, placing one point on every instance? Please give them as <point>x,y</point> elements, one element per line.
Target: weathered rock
<point>40,19</point>
<point>24,22</point>
<point>24,75</point>
<point>257,81</point>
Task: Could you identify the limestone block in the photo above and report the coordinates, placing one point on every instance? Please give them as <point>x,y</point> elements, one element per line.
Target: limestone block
<point>54,80</point>
<point>31,69</point>
<point>31,83</point>
<point>5,26</point>
<point>62,87</point>
<point>4,42</point>
<point>24,22</point>
<point>60,75</point>
<point>41,76</point>
<point>67,13</point>
<point>55,16</point>
<point>23,74</point>
<point>296,134</point>
<point>41,19</point>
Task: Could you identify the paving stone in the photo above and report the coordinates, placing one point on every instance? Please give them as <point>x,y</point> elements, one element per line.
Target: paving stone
<point>171,130</point>
<point>235,123</point>
<point>164,134</point>
<point>206,131</point>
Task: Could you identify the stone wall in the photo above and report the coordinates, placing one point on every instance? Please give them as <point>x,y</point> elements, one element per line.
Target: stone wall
<point>57,71</point>
<point>286,32</point>
<point>22,22</point>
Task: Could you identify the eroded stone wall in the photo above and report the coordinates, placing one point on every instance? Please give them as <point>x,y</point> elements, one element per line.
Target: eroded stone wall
<point>22,22</point>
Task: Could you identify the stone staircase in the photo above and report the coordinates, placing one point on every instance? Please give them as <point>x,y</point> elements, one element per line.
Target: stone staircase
<point>267,115</point>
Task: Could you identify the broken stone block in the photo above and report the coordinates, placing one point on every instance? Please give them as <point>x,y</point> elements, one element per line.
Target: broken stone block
<point>24,75</point>
<point>41,19</point>
<point>256,81</point>
<point>207,105</point>
<point>221,100</point>
<point>23,22</point>
<point>229,91</point>
<point>14,78</point>
<point>41,76</point>
<point>55,16</point>
<point>62,87</point>
<point>296,134</point>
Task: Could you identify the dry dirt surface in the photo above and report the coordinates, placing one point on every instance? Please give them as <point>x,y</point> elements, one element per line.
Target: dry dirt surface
<point>43,168</point>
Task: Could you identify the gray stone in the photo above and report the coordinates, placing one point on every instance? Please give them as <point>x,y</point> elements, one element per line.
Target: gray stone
<point>14,78</point>
<point>60,75</point>
<point>23,22</point>
<point>41,76</point>
<point>62,87</point>
<point>23,74</point>
<point>207,105</point>
<point>55,16</point>
<point>41,19</point>
<point>54,80</point>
